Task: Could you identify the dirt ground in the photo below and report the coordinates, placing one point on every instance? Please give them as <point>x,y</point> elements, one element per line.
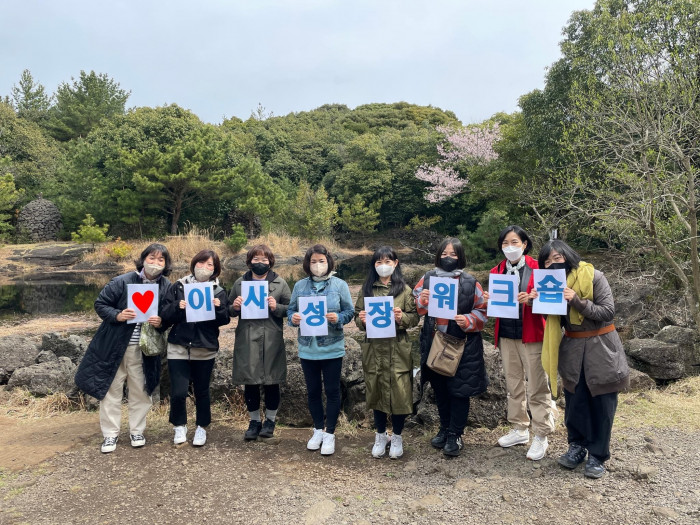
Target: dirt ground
<point>53,472</point>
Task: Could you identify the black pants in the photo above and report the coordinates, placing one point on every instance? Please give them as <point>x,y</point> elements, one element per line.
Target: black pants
<point>252,397</point>
<point>589,419</point>
<point>182,371</point>
<point>323,374</point>
<point>397,422</point>
<point>453,411</point>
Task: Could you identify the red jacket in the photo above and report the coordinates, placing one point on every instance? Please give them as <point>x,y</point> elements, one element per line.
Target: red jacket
<point>533,324</point>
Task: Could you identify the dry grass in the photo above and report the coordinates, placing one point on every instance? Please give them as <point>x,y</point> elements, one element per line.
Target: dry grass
<point>676,406</point>
<point>285,245</point>
<point>22,404</point>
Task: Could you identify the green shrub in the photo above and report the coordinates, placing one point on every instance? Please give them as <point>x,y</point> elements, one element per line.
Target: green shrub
<point>118,249</point>
<point>90,232</point>
<point>237,240</point>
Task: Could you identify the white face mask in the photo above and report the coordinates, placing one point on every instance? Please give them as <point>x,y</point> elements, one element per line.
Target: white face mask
<point>152,270</point>
<point>202,274</point>
<point>513,253</point>
<point>384,270</point>
<point>319,269</point>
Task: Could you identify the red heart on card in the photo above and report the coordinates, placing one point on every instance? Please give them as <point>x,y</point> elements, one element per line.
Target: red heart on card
<point>143,301</point>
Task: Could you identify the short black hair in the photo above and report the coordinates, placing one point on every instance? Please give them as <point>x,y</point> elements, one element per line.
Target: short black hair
<point>260,250</point>
<point>204,256</point>
<point>458,248</point>
<point>321,250</point>
<point>155,248</point>
<point>398,284</point>
<point>524,237</point>
<point>572,257</point>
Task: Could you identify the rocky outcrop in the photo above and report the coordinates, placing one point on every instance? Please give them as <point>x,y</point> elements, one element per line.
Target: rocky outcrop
<point>47,377</point>
<point>673,353</point>
<point>15,352</point>
<point>53,255</point>
<point>72,347</point>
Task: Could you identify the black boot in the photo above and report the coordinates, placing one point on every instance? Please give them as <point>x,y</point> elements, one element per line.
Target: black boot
<point>573,457</point>
<point>253,430</point>
<point>440,439</point>
<point>453,446</point>
<point>268,429</point>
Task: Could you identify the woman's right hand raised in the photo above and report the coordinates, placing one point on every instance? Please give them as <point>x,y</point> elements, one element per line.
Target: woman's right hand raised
<point>237,303</point>
<point>296,319</point>
<point>126,314</point>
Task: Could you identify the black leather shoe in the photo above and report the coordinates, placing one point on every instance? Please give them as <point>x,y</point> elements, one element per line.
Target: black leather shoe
<point>440,439</point>
<point>253,431</point>
<point>453,446</point>
<point>268,429</point>
<point>573,457</point>
<point>594,468</point>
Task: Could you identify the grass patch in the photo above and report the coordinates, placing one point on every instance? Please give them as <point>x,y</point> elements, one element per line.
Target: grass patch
<point>285,245</point>
<point>22,404</point>
<point>674,406</point>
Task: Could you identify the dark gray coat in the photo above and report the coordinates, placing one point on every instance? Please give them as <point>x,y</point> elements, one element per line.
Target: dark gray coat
<point>106,350</point>
<point>259,356</point>
<point>602,357</point>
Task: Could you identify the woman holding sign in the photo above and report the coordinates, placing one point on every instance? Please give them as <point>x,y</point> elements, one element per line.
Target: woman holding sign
<point>520,342</point>
<point>320,306</point>
<point>386,359</point>
<point>465,300</point>
<point>259,357</point>
<point>114,354</point>
<point>193,343</point>
<point>590,358</point>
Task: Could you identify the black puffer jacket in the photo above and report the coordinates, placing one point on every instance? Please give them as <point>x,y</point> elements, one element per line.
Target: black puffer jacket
<point>204,334</point>
<point>471,378</point>
<point>106,350</point>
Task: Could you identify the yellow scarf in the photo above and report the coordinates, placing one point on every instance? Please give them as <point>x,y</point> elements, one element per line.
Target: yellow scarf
<point>580,280</point>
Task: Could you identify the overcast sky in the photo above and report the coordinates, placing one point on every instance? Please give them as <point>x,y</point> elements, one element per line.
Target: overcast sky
<point>220,58</point>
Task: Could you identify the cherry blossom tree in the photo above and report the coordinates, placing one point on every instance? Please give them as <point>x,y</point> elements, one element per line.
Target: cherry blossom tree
<point>460,149</point>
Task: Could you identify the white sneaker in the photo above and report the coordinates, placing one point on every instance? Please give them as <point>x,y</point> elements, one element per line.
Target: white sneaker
<point>137,440</point>
<point>180,435</point>
<point>538,448</point>
<point>396,450</point>
<point>380,442</point>
<point>328,446</point>
<point>109,445</point>
<point>200,437</point>
<point>315,442</point>
<point>515,437</point>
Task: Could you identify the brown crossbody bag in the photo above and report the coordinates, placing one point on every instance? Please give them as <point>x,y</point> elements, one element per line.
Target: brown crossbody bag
<point>445,353</point>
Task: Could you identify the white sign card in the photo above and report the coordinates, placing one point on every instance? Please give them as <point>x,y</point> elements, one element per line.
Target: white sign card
<point>503,296</point>
<point>380,317</point>
<point>313,315</point>
<point>442,301</point>
<point>549,285</point>
<point>254,304</point>
<point>143,299</point>
<point>200,302</point>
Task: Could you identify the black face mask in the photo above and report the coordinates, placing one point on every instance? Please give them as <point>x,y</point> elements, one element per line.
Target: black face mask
<point>260,268</point>
<point>558,266</point>
<point>448,264</point>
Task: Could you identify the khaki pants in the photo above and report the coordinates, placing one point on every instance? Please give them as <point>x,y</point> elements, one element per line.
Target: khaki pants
<point>523,362</point>
<point>131,370</point>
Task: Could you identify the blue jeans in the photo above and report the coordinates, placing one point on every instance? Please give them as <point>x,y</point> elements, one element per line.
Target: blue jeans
<point>323,374</point>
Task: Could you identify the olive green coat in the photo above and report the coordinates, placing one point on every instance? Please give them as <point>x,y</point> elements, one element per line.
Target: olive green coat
<point>259,356</point>
<point>387,363</point>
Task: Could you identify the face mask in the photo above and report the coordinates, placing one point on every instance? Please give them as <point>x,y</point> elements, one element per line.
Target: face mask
<point>202,274</point>
<point>513,253</point>
<point>152,270</point>
<point>260,268</point>
<point>557,266</point>
<point>448,264</point>
<point>384,270</point>
<point>319,269</point>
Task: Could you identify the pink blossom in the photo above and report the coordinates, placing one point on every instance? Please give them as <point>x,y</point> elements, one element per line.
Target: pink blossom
<point>472,145</point>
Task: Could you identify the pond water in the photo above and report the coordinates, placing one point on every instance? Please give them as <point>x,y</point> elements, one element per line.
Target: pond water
<point>54,297</point>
